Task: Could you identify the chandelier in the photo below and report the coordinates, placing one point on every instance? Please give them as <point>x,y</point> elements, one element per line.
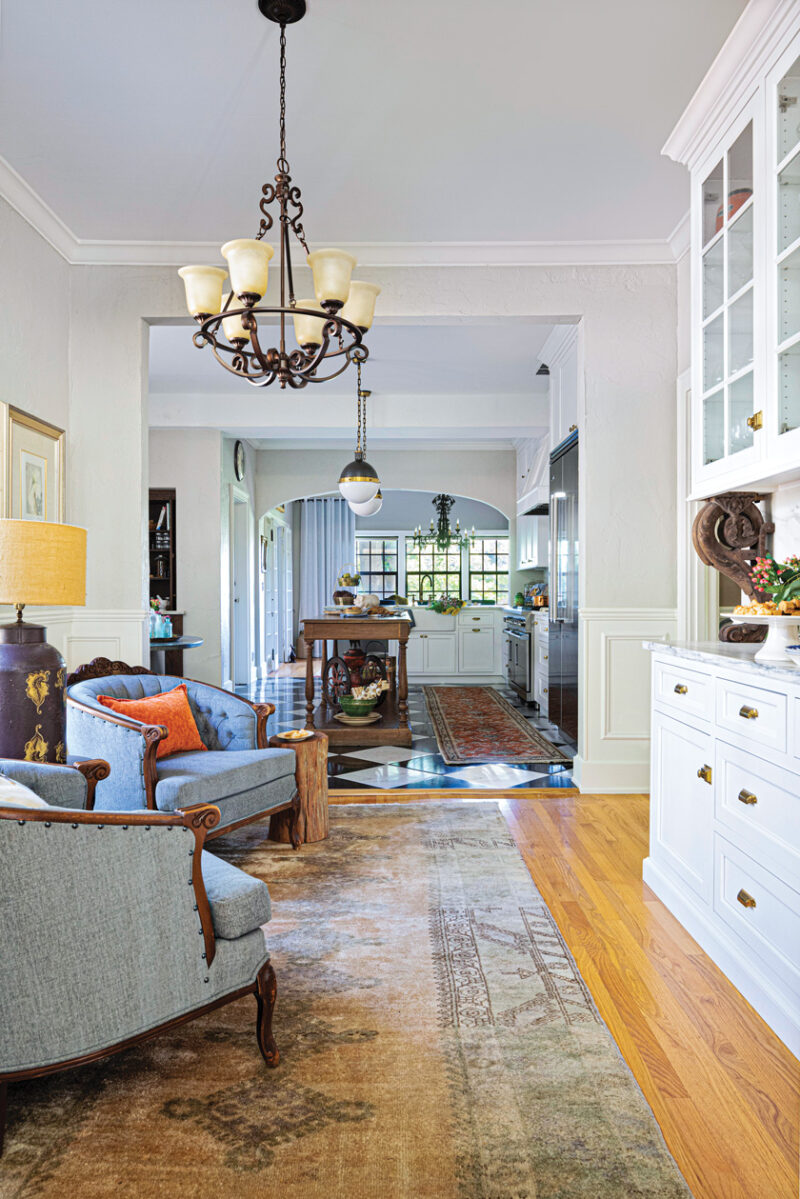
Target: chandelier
<point>359,482</point>
<point>442,536</point>
<point>328,329</point>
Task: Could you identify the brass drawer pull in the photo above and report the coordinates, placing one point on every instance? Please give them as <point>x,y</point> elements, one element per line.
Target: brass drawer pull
<point>475,618</point>
<point>747,797</point>
<point>746,900</point>
<point>704,773</point>
<point>476,630</point>
<point>748,713</point>
<point>681,688</point>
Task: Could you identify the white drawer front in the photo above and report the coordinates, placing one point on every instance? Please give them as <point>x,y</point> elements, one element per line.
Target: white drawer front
<point>761,909</point>
<point>760,805</point>
<point>542,623</point>
<point>541,657</point>
<point>757,717</point>
<point>794,728</point>
<point>468,618</point>
<point>684,692</point>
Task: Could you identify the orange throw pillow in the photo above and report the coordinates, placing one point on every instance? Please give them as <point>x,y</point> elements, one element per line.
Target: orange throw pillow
<point>170,708</point>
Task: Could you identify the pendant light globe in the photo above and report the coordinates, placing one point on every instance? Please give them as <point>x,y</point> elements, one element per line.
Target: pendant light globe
<point>369,507</point>
<point>359,481</point>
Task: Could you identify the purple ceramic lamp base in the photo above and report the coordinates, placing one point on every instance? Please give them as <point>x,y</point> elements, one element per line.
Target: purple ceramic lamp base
<point>32,705</point>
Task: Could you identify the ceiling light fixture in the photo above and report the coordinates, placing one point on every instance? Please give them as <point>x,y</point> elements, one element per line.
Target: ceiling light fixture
<point>442,536</point>
<point>370,507</point>
<point>359,481</point>
<point>329,329</point>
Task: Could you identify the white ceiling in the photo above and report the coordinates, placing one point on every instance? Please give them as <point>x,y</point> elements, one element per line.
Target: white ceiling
<point>420,121</point>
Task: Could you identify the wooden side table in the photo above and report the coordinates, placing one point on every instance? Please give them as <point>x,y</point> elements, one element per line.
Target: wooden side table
<point>312,783</point>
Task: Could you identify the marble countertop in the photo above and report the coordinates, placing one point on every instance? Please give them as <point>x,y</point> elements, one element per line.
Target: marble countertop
<point>718,653</point>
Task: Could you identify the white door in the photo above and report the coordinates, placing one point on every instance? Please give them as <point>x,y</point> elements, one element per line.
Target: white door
<point>285,593</point>
<point>681,822</point>
<point>476,651</point>
<point>241,588</point>
<point>270,596</point>
<point>440,653</point>
<point>415,659</point>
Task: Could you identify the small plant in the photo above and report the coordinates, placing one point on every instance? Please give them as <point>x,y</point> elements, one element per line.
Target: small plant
<point>781,580</point>
<point>448,604</point>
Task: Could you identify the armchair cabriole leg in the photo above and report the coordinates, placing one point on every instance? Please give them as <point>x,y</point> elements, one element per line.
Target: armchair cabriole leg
<point>294,829</point>
<point>266,990</point>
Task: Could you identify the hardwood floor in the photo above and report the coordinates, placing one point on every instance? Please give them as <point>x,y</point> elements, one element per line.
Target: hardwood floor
<point>724,1089</point>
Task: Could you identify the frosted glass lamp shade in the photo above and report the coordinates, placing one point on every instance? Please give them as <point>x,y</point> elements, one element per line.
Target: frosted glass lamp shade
<point>308,329</point>
<point>203,288</point>
<point>332,270</point>
<point>232,326</point>
<point>42,563</point>
<point>360,306</point>
<point>369,507</point>
<point>359,481</point>
<point>248,265</point>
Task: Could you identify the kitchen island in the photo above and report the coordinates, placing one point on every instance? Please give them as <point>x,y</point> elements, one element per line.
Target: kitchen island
<point>393,727</point>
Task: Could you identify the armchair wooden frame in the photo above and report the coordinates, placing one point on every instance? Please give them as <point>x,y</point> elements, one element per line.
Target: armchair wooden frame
<point>199,819</point>
<point>101,668</point>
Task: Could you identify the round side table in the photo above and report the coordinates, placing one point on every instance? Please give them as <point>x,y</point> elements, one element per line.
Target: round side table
<point>312,783</point>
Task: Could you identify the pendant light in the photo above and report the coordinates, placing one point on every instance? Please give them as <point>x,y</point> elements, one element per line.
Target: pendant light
<point>359,481</point>
<point>370,507</point>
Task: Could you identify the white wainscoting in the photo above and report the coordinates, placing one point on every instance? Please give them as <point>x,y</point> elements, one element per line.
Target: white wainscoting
<point>80,634</point>
<point>615,705</point>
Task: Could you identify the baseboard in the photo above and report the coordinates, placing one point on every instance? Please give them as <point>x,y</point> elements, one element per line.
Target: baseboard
<point>773,1007</point>
<point>611,778</point>
<point>457,680</point>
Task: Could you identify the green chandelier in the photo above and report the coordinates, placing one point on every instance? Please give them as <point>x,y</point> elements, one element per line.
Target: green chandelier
<point>442,536</point>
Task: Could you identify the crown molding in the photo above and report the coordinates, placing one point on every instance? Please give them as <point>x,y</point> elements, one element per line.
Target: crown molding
<point>680,238</point>
<point>762,31</point>
<point>32,208</point>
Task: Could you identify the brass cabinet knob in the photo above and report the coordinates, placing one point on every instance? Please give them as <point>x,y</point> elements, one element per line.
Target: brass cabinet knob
<point>745,899</point>
<point>476,617</point>
<point>756,421</point>
<point>748,713</point>
<point>747,797</point>
<point>681,688</point>
<point>546,656</point>
<point>704,773</point>
<point>544,691</point>
<point>475,630</point>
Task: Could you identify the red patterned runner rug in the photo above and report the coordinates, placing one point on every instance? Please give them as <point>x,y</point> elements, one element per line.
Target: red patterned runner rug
<point>475,724</point>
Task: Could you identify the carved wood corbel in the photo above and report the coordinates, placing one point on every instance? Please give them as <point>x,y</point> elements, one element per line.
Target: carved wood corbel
<point>729,533</point>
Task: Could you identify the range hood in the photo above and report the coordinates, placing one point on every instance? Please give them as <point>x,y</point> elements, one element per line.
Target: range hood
<point>542,508</point>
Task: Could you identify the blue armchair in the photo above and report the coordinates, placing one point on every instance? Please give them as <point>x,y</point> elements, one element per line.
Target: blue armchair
<point>88,904</point>
<point>239,773</point>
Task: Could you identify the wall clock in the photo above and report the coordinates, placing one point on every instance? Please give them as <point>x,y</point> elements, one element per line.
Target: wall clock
<point>239,460</point>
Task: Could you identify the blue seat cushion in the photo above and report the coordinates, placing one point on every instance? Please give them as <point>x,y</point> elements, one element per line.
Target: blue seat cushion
<point>217,775</point>
<point>239,903</point>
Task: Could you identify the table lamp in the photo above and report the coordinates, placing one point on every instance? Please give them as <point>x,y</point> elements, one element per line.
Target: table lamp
<point>45,564</point>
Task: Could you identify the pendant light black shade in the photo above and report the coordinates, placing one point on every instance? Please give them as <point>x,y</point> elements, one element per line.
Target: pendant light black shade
<point>359,481</point>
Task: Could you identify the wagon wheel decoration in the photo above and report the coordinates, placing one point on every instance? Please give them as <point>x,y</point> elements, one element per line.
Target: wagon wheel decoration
<point>374,668</point>
<point>335,680</point>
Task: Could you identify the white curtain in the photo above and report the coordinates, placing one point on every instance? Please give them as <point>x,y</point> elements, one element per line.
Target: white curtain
<point>327,543</point>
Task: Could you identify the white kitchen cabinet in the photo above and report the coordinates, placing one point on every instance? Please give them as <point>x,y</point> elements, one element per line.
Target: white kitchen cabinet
<point>476,651</point>
<point>533,472</point>
<point>532,541</point>
<point>415,654</point>
<point>561,353</point>
<point>440,653</point>
<point>683,803</point>
<point>740,138</point>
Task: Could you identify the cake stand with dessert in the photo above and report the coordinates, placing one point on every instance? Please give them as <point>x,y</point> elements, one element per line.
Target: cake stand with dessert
<point>780,614</point>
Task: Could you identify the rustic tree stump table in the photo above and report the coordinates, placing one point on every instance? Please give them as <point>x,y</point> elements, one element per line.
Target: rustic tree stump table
<point>312,783</point>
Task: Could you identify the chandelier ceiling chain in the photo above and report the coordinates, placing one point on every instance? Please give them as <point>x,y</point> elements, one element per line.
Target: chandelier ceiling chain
<point>329,329</point>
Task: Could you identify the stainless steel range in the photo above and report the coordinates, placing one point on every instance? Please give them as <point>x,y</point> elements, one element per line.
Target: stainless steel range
<point>518,641</point>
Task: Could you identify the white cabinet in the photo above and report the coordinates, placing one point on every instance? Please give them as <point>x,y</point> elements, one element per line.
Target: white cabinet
<point>533,472</point>
<point>440,653</point>
<point>476,651</point>
<point>471,647</point>
<point>683,801</point>
<point>532,541</point>
<point>740,138</point>
<point>415,654</point>
<point>561,353</point>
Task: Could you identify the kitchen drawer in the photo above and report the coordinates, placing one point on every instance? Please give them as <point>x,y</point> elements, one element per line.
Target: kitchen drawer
<point>682,810</point>
<point>542,624</point>
<point>684,692</point>
<point>469,618</point>
<point>763,911</point>
<point>756,716</point>
<point>759,805</point>
<point>541,656</point>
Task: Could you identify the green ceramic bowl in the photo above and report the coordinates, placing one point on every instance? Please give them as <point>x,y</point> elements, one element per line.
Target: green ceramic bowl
<point>356,707</point>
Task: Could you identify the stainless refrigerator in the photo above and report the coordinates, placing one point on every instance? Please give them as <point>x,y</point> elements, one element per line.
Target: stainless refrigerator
<point>562,692</point>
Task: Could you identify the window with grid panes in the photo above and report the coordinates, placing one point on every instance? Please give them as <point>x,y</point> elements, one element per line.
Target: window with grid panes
<point>442,567</point>
<point>376,562</point>
<point>488,570</point>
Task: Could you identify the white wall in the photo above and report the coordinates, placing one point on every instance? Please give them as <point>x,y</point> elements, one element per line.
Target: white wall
<point>407,509</point>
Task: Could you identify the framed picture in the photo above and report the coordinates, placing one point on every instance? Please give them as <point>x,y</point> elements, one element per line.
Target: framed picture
<point>33,461</point>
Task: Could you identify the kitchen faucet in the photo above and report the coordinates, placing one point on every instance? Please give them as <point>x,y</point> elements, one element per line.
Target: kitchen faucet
<point>430,580</point>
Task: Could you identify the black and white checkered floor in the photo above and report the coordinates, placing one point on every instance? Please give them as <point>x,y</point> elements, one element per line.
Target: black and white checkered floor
<point>421,768</point>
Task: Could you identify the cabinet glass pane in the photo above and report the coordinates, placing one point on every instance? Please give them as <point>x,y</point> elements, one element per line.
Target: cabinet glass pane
<point>740,252</point>
<point>713,293</point>
<point>789,204</point>
<point>789,110</point>
<point>712,203</point>
<point>740,333</point>
<point>740,171</point>
<point>714,426</point>
<point>740,406</point>
<point>789,296</point>
<point>712,353</point>
<point>789,389</point>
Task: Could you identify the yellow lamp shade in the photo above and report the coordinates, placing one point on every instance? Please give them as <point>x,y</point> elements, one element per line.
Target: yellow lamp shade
<point>248,264</point>
<point>332,270</point>
<point>203,288</point>
<point>42,563</point>
<point>232,325</point>
<point>308,329</point>
<point>360,306</point>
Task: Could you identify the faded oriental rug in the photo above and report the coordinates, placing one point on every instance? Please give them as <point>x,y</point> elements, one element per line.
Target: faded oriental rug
<point>438,1042</point>
<point>476,724</point>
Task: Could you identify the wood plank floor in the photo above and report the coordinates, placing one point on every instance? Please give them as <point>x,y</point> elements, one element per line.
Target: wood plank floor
<point>724,1089</point>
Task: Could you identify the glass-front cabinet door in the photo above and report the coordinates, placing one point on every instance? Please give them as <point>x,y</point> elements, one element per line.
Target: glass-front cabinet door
<point>728,209</point>
<point>784,257</point>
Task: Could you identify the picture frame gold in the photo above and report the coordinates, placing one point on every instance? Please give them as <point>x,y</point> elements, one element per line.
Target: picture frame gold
<point>32,467</point>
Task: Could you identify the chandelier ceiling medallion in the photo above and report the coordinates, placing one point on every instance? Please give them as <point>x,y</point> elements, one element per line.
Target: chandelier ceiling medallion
<point>359,482</point>
<point>442,536</point>
<point>328,329</point>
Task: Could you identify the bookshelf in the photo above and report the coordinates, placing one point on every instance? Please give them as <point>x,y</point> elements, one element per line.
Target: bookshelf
<point>161,540</point>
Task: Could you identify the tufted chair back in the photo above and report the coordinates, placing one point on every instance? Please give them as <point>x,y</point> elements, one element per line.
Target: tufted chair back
<point>223,721</point>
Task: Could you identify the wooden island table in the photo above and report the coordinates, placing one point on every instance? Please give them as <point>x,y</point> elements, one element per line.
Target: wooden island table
<point>393,727</point>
